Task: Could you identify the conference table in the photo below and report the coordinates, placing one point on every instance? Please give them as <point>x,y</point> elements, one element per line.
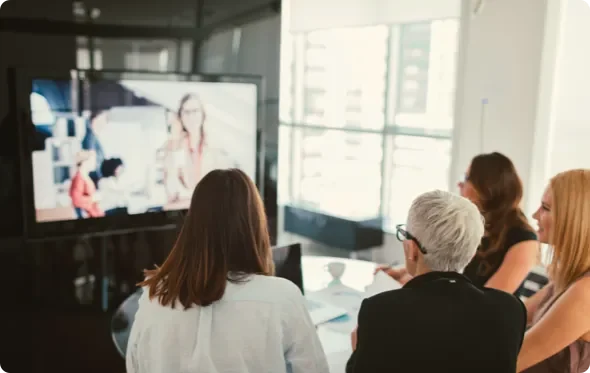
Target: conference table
<point>335,336</point>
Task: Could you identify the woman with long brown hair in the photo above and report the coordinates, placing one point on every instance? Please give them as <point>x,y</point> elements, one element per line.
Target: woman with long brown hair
<point>214,306</point>
<point>509,248</point>
<point>558,340</point>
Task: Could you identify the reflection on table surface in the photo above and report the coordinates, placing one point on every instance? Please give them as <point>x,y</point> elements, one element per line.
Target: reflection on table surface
<point>357,275</point>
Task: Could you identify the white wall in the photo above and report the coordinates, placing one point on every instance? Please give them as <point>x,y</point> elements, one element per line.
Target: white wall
<point>570,130</point>
<point>542,136</point>
<point>530,59</point>
<point>563,117</point>
<point>501,64</point>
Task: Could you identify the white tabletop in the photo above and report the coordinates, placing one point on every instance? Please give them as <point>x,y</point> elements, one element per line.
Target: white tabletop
<point>357,275</point>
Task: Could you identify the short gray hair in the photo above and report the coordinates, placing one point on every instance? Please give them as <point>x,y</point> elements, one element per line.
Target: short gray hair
<point>448,226</point>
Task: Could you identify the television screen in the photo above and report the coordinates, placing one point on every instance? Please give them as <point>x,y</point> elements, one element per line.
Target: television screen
<point>107,148</point>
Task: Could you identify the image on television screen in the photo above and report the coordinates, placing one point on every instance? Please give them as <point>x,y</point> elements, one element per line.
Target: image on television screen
<point>136,146</point>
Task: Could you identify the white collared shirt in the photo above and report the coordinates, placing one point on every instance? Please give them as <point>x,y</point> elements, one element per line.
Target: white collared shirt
<point>260,326</point>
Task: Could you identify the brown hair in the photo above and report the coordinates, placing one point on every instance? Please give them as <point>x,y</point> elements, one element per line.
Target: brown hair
<point>499,191</point>
<point>224,237</point>
<point>570,235</point>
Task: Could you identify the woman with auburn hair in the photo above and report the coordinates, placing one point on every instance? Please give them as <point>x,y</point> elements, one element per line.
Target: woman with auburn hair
<point>509,248</point>
<point>214,306</point>
<point>558,340</point>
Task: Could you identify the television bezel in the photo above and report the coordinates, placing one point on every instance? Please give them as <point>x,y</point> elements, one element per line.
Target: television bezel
<point>293,249</point>
<point>42,231</point>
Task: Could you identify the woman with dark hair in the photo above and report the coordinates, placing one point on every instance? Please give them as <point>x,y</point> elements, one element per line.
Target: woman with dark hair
<point>509,248</point>
<point>214,306</point>
<point>113,196</point>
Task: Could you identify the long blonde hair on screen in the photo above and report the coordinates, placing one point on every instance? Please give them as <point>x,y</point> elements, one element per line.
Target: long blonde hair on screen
<point>570,237</point>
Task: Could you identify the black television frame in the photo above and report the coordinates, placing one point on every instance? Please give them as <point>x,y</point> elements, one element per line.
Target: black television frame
<point>42,231</point>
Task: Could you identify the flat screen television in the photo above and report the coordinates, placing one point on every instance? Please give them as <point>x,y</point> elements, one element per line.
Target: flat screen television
<point>108,151</point>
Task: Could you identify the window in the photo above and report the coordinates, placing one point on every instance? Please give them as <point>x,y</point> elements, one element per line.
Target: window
<point>159,55</point>
<point>367,117</point>
<point>425,93</point>
<point>83,60</point>
<point>415,164</point>
<point>338,63</point>
<point>334,173</point>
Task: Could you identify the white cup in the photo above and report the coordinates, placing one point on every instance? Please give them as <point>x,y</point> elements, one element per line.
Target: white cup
<point>335,269</point>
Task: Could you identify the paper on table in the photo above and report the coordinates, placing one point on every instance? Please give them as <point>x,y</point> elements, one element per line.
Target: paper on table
<point>381,283</point>
<point>339,295</point>
<point>346,324</point>
<point>343,296</point>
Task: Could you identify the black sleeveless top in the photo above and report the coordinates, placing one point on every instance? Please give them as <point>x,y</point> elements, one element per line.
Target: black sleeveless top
<point>481,269</point>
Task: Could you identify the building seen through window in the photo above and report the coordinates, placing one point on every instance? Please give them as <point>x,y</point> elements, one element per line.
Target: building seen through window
<point>366,117</point>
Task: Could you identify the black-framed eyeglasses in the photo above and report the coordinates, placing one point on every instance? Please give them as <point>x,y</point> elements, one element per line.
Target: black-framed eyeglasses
<point>402,234</point>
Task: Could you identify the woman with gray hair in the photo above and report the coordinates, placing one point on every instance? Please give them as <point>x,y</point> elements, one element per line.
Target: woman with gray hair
<point>439,321</point>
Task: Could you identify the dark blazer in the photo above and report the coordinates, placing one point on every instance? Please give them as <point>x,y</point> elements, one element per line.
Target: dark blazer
<point>439,322</point>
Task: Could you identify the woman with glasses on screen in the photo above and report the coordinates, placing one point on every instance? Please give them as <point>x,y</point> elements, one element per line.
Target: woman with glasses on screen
<point>509,248</point>
<point>183,152</point>
<point>439,321</point>
<point>214,306</point>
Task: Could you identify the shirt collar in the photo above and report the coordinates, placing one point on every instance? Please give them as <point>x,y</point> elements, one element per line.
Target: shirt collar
<point>436,276</point>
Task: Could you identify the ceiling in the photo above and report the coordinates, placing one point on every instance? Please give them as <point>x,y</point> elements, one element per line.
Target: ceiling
<point>163,13</point>
<point>173,13</point>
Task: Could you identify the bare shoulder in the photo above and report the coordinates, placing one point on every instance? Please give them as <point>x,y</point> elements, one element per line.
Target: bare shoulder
<point>581,294</point>
<point>579,291</point>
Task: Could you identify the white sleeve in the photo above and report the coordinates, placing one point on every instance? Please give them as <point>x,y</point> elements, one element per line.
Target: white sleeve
<point>304,352</point>
<point>132,357</point>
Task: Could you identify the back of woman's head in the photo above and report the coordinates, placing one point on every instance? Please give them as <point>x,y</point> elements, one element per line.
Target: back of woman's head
<point>499,193</point>
<point>498,186</point>
<point>449,226</point>
<point>224,237</point>
<point>570,235</point>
